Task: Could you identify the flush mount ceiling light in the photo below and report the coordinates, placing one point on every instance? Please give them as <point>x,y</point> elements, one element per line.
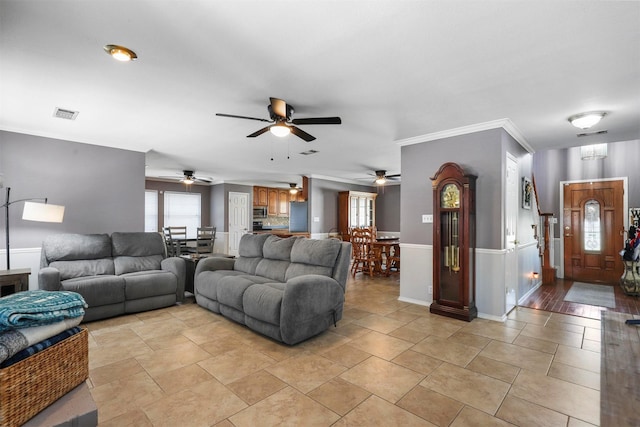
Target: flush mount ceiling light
<point>120,53</point>
<point>586,120</point>
<point>593,152</point>
<point>280,129</point>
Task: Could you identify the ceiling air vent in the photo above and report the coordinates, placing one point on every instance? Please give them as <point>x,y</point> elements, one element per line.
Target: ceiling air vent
<point>309,152</point>
<point>597,132</point>
<point>61,113</point>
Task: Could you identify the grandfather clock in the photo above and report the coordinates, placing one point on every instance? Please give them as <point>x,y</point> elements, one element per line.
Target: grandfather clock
<point>454,243</point>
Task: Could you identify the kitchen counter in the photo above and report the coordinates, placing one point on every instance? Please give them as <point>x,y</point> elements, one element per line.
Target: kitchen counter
<point>281,232</point>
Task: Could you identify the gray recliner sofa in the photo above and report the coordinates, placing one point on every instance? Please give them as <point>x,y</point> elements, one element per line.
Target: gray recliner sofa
<point>117,274</point>
<point>289,289</point>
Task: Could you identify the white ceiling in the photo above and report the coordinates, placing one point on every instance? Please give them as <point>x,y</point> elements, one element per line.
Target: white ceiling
<point>391,69</point>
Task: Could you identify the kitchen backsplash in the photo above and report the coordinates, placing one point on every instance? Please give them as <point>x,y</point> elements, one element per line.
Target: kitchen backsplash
<point>275,220</point>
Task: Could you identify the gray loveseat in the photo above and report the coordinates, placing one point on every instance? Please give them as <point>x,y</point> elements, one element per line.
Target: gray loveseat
<point>117,274</point>
<point>288,289</point>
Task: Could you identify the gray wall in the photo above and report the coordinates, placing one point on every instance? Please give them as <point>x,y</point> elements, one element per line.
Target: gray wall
<point>323,202</point>
<point>552,166</point>
<point>101,188</point>
<point>478,154</point>
<point>220,202</point>
<point>388,208</point>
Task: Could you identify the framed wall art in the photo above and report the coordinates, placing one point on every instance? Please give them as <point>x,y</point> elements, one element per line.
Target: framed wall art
<point>527,193</point>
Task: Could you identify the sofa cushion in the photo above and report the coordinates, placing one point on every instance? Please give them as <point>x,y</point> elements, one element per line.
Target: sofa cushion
<point>316,252</point>
<point>263,302</point>
<point>82,268</point>
<point>97,290</point>
<point>296,269</point>
<point>278,248</point>
<point>231,288</point>
<point>206,282</point>
<point>251,245</point>
<point>70,247</point>
<point>137,244</point>
<point>130,264</point>
<point>247,264</point>
<point>273,269</point>
<point>144,284</point>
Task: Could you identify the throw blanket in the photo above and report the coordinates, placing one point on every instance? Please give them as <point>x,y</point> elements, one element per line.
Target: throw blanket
<point>35,308</point>
<point>42,345</point>
<point>16,340</point>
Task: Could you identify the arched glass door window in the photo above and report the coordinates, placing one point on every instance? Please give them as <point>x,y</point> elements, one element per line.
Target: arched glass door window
<point>592,226</point>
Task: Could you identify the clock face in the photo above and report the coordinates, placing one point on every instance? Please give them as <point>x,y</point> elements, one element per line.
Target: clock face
<point>450,196</point>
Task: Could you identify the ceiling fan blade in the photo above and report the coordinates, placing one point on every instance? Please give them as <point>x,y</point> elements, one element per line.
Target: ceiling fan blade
<point>393,176</point>
<point>259,132</point>
<point>242,117</point>
<point>302,134</point>
<point>208,181</point>
<point>317,121</point>
<point>279,107</point>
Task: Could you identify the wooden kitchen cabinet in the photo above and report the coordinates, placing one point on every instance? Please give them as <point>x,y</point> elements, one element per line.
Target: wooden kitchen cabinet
<point>272,203</point>
<point>283,202</point>
<point>260,197</point>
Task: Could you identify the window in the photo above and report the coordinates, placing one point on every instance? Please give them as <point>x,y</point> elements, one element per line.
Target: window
<point>150,210</point>
<point>592,240</point>
<point>182,209</point>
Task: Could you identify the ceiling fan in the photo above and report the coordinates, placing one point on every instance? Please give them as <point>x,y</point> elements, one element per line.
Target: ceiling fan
<point>282,125</point>
<point>382,177</point>
<point>189,178</point>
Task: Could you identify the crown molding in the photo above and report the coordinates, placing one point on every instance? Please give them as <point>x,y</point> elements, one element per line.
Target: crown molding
<point>505,124</point>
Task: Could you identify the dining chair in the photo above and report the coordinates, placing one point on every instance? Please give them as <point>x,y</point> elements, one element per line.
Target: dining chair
<point>168,242</point>
<point>206,237</point>
<point>393,259</point>
<point>366,258</point>
<point>178,239</point>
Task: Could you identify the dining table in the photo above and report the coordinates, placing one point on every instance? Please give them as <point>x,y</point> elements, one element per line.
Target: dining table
<point>387,249</point>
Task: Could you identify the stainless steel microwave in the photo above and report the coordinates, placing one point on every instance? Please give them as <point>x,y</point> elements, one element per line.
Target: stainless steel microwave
<point>260,212</point>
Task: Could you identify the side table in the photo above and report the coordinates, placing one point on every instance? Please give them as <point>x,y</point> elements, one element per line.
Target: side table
<point>15,280</point>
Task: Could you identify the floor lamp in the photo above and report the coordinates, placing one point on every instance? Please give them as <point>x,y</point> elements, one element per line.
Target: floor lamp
<point>42,212</point>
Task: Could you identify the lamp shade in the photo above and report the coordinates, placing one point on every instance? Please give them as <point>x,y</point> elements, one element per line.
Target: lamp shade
<point>43,212</point>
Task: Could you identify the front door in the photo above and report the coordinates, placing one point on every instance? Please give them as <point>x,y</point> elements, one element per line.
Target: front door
<point>238,219</point>
<point>593,230</point>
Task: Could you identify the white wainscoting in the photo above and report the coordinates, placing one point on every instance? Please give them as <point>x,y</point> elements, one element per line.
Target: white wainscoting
<point>416,279</point>
<point>23,258</point>
<point>416,274</point>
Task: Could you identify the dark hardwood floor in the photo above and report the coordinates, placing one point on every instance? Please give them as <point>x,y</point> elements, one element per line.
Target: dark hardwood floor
<point>551,298</point>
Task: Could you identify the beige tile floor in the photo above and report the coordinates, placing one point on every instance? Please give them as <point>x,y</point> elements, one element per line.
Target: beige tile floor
<point>388,363</point>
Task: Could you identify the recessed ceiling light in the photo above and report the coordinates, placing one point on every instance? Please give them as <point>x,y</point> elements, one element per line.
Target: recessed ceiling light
<point>586,120</point>
<point>120,53</point>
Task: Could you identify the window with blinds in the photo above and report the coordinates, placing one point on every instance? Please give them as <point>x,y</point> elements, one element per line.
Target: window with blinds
<point>182,209</point>
<point>150,210</point>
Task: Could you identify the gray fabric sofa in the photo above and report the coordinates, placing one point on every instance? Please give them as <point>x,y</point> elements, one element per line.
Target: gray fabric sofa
<point>289,289</point>
<point>117,274</point>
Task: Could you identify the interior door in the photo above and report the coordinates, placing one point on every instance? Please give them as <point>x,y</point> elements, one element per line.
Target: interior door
<point>512,187</point>
<point>593,230</point>
<point>238,220</point>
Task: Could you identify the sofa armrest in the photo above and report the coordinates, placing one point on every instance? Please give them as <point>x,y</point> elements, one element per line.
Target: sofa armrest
<point>214,263</point>
<point>49,279</point>
<point>307,296</point>
<point>177,266</point>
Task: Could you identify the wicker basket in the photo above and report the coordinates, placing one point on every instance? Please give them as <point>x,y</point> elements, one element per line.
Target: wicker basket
<point>34,383</point>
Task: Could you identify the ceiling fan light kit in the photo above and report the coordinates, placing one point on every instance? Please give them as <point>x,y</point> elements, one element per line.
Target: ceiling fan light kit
<point>293,189</point>
<point>120,53</point>
<point>282,125</point>
<point>586,120</point>
<point>280,129</point>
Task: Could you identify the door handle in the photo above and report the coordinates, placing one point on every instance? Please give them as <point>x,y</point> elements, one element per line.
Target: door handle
<point>568,235</point>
